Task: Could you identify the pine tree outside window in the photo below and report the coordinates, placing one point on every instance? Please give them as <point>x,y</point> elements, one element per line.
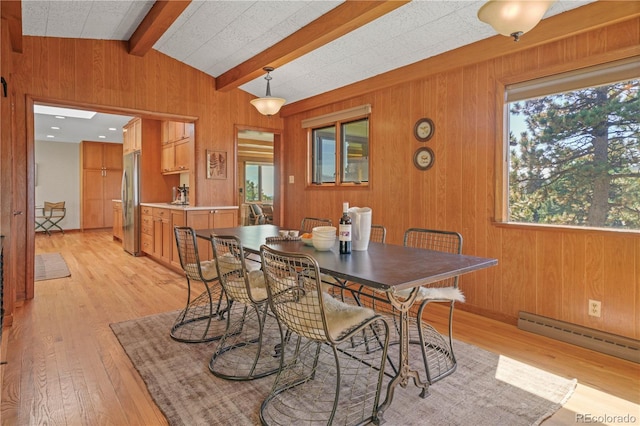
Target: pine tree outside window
<point>574,148</point>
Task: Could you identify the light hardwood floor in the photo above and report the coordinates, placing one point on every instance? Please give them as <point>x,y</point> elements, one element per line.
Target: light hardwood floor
<point>66,367</point>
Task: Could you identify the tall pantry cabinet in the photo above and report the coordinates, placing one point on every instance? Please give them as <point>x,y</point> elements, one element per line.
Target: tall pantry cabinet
<point>101,177</point>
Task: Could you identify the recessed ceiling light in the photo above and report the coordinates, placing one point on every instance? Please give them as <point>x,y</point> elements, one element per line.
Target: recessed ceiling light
<point>64,112</point>
<point>50,136</point>
<point>55,128</point>
<point>60,117</point>
<point>102,137</point>
<point>113,129</point>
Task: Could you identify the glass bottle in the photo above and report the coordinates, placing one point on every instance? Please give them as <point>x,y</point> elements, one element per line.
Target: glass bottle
<point>344,230</point>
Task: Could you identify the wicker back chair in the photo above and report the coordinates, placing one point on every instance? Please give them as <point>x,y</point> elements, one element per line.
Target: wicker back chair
<point>308,223</point>
<point>378,234</point>
<point>201,320</point>
<point>246,350</point>
<point>437,350</point>
<point>329,373</point>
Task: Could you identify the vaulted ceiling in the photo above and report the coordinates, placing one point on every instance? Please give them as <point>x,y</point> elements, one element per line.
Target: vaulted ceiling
<point>315,46</point>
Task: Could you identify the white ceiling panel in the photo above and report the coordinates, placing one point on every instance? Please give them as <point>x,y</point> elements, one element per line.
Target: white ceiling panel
<point>215,36</point>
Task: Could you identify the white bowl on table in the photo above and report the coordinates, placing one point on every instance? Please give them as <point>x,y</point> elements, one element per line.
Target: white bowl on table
<point>324,231</point>
<point>323,243</point>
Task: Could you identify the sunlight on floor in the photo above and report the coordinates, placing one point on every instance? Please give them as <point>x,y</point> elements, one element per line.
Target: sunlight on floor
<point>615,411</point>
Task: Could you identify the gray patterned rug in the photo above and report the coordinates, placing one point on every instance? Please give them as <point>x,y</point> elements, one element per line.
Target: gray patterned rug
<point>49,266</point>
<point>486,389</point>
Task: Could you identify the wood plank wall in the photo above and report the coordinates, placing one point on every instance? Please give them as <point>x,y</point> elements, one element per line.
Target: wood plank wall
<point>541,271</point>
<point>548,272</point>
<point>101,74</point>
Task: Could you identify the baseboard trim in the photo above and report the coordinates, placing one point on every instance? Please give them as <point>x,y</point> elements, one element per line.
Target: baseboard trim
<point>600,341</point>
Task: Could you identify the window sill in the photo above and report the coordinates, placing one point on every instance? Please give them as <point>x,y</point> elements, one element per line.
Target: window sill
<point>564,228</point>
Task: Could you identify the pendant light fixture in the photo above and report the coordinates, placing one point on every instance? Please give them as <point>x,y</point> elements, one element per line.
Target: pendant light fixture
<point>513,17</point>
<point>268,105</point>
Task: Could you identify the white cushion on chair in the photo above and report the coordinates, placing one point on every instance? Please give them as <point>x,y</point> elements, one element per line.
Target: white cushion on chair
<point>237,290</point>
<point>342,317</point>
<point>208,268</point>
<point>434,293</point>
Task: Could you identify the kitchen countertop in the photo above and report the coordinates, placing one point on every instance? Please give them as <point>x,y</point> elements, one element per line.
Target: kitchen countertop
<point>187,207</point>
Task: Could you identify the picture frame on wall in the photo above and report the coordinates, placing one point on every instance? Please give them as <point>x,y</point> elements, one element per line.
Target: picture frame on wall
<point>216,164</point>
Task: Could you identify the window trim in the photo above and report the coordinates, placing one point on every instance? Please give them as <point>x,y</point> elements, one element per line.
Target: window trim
<point>501,134</point>
<point>336,119</point>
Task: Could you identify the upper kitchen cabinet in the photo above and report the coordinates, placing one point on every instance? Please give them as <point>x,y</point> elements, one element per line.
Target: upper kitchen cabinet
<point>132,136</point>
<point>101,169</point>
<point>177,145</point>
<point>154,186</point>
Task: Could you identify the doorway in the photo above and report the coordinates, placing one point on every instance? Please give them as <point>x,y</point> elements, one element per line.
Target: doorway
<point>257,174</point>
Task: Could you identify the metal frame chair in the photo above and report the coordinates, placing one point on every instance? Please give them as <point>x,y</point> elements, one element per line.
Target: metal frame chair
<point>308,223</point>
<point>437,349</point>
<point>378,234</point>
<point>328,372</point>
<point>50,216</point>
<point>246,350</point>
<point>203,317</point>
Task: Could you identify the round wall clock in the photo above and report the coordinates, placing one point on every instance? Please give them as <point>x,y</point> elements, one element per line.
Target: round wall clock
<point>423,130</point>
<point>423,158</point>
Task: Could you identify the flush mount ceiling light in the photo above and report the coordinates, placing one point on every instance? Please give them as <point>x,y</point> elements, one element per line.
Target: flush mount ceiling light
<point>268,105</point>
<point>513,17</point>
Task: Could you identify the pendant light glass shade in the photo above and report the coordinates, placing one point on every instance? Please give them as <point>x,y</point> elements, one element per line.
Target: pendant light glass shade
<point>513,17</point>
<point>268,105</point>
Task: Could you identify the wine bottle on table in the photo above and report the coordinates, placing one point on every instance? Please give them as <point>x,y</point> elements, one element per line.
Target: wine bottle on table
<point>344,230</point>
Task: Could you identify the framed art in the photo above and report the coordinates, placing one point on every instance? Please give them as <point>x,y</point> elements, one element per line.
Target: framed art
<point>216,164</point>
<point>423,129</point>
<point>423,158</point>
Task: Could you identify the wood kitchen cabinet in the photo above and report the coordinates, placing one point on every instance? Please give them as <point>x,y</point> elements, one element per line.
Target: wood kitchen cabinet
<point>177,145</point>
<point>146,230</point>
<point>177,219</point>
<point>210,218</point>
<point>101,177</point>
<point>117,221</point>
<point>157,235</point>
<point>132,136</point>
<point>162,233</point>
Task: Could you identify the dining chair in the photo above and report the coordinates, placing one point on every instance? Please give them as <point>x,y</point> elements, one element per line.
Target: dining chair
<point>308,223</point>
<point>246,350</point>
<point>202,319</point>
<point>437,349</point>
<point>327,374</point>
<point>378,234</point>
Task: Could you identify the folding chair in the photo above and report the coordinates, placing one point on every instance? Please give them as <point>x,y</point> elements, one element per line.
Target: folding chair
<point>50,216</point>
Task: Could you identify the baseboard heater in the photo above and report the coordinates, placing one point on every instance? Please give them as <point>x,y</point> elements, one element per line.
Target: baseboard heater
<point>600,341</point>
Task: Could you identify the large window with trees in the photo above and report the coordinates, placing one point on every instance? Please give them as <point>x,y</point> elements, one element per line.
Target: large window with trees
<point>574,148</point>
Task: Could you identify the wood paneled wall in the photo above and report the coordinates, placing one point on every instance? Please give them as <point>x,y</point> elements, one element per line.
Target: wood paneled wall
<point>101,74</point>
<point>548,272</point>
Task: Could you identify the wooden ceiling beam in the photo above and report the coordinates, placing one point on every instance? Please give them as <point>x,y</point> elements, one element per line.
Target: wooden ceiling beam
<point>586,18</point>
<point>11,11</point>
<point>339,21</point>
<point>163,13</point>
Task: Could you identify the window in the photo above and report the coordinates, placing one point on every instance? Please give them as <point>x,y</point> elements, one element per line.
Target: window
<point>258,182</point>
<point>574,148</point>
<point>346,162</point>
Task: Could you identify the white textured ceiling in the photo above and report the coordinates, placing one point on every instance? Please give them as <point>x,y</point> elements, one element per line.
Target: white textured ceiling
<point>215,36</point>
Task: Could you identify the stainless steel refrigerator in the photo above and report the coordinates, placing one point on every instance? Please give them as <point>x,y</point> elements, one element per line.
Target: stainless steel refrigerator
<point>131,203</point>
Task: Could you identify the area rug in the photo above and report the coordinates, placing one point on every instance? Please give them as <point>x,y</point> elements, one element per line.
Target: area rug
<point>486,389</point>
<point>49,266</point>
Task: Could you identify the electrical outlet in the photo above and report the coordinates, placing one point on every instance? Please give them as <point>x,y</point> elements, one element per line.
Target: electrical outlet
<point>595,308</point>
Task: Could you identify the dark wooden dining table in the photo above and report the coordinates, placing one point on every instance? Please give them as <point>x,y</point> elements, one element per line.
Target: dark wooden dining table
<point>384,267</point>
